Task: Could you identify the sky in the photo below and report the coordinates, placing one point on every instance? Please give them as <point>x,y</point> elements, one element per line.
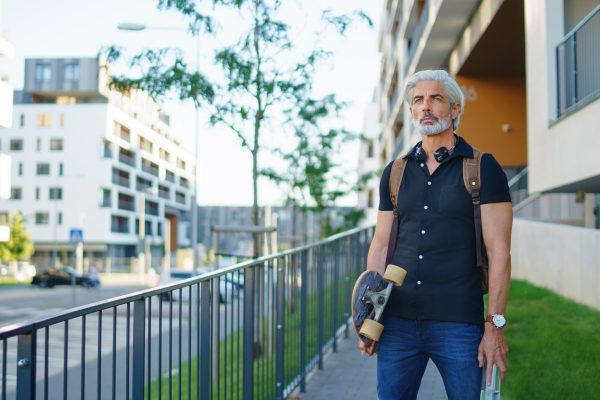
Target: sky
<point>79,28</point>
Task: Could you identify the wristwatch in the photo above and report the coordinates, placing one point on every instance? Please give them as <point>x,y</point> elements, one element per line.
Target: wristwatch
<point>498,320</point>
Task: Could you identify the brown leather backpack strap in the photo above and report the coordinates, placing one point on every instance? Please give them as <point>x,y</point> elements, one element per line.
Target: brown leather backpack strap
<point>472,179</point>
<point>396,175</point>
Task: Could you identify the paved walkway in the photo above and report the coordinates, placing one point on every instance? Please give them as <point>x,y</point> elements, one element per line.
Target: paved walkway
<point>349,375</point>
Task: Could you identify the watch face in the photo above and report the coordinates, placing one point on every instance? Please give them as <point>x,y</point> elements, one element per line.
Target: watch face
<point>499,320</point>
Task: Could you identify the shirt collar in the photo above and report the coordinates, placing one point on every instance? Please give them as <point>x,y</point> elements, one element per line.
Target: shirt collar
<point>462,149</point>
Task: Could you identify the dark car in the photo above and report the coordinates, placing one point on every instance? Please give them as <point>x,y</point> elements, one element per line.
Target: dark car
<point>51,277</point>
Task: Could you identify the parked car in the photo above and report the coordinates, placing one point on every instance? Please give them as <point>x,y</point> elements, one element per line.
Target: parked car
<point>51,277</point>
<point>227,287</point>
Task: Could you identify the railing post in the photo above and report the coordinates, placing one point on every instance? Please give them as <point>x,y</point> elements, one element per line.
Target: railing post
<point>280,329</point>
<point>348,295</point>
<point>303,304</point>
<point>26,366</point>
<point>205,341</point>
<point>558,81</point>
<point>321,289</point>
<point>248,367</point>
<point>574,72</point>
<point>139,315</point>
<point>336,262</point>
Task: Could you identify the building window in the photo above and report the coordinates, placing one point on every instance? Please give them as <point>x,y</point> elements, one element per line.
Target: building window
<point>145,144</point>
<point>37,193</point>
<point>119,224</point>
<point>149,167</point>
<point>180,163</point>
<point>126,202</point>
<point>20,169</point>
<point>151,208</point>
<point>56,144</point>
<point>120,178</point>
<point>122,132</point>
<point>170,176</point>
<point>159,231</point>
<point>105,198</point>
<point>43,73</point>
<point>147,227</point>
<point>22,119</point>
<point>44,119</point>
<point>163,192</point>
<point>16,144</point>
<point>16,193</point>
<point>39,144</point>
<point>107,147</point>
<point>55,194</point>
<point>41,218</point>
<point>60,169</point>
<point>180,197</point>
<point>71,72</point>
<point>62,119</point>
<point>60,218</point>
<point>43,169</point>
<point>165,155</point>
<point>370,148</point>
<point>184,182</point>
<point>127,157</point>
<point>143,184</point>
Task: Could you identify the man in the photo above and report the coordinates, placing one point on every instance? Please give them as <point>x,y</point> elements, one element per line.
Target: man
<point>438,312</point>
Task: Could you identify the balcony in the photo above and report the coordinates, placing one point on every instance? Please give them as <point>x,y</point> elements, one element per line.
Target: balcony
<point>122,132</point>
<point>164,192</point>
<point>119,224</point>
<point>127,157</point>
<point>184,183</point>
<point>120,178</point>
<point>416,38</point>
<point>180,197</point>
<point>149,167</point>
<point>143,184</point>
<point>151,208</point>
<point>578,63</point>
<point>170,176</point>
<point>126,202</point>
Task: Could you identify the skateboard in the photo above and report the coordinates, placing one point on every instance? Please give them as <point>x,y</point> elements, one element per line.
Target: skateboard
<point>369,298</point>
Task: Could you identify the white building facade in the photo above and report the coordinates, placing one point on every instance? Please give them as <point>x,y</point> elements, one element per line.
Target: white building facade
<point>85,157</point>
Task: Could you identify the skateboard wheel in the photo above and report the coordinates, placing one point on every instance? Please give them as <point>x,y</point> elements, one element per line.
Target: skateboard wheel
<point>394,274</point>
<point>371,329</point>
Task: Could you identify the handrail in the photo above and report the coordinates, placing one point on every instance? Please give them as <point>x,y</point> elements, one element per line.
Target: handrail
<point>517,177</point>
<point>29,326</point>
<point>579,25</point>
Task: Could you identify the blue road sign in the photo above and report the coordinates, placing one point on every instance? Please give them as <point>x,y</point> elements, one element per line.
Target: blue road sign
<point>76,236</point>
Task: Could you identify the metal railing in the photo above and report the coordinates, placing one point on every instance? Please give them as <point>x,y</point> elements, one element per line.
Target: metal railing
<point>577,65</point>
<point>120,180</point>
<point>416,37</point>
<point>252,330</point>
<point>517,186</point>
<point>149,167</point>
<point>128,159</point>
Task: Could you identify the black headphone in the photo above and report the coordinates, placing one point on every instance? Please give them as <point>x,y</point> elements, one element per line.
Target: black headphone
<point>440,154</point>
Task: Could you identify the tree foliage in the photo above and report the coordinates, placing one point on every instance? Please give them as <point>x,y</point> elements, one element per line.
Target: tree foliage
<point>19,246</point>
<point>263,75</point>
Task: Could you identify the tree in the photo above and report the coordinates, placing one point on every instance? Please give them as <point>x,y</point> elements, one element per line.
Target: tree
<point>259,81</point>
<point>19,246</point>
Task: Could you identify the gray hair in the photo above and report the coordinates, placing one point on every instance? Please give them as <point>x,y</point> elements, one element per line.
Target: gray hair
<point>451,89</point>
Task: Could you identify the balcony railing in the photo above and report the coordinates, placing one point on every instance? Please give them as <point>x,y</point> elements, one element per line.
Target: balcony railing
<point>170,176</point>
<point>578,65</point>
<point>126,205</point>
<point>254,330</point>
<point>164,193</point>
<point>120,180</point>
<point>416,38</point>
<point>149,167</point>
<point>127,159</point>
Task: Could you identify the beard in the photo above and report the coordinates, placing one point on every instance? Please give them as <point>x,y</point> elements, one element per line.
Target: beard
<point>439,126</point>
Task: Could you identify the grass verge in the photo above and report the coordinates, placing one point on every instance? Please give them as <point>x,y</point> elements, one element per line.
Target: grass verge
<point>554,346</point>
<point>11,281</point>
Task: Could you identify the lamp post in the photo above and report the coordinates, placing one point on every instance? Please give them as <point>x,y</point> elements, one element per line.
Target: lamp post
<point>125,26</point>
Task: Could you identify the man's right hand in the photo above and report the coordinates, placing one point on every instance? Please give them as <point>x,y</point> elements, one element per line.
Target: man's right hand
<point>364,349</point>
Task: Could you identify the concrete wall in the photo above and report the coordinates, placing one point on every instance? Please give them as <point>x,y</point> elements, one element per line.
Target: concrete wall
<point>562,258</point>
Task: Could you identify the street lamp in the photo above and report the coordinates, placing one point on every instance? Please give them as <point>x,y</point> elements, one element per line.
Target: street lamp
<point>125,26</point>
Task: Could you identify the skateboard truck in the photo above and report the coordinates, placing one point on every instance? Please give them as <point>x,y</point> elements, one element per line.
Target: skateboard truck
<point>377,299</point>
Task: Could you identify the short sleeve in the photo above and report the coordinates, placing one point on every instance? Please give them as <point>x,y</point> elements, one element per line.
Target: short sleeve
<point>494,184</point>
<point>385,200</point>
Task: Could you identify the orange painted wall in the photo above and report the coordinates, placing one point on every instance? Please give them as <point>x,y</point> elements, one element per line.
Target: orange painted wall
<point>490,102</point>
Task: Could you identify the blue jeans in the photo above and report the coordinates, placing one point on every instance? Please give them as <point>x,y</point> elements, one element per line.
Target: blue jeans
<point>405,346</point>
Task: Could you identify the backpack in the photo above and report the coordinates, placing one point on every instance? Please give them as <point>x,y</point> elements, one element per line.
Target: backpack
<point>472,180</point>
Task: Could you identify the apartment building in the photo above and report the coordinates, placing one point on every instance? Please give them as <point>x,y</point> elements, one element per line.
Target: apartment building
<point>86,157</point>
<point>7,49</point>
<point>368,162</point>
<point>518,106</point>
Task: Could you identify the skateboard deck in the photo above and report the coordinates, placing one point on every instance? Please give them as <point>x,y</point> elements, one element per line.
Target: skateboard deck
<point>369,298</point>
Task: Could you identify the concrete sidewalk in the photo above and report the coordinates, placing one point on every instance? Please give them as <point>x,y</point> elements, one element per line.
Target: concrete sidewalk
<point>349,375</point>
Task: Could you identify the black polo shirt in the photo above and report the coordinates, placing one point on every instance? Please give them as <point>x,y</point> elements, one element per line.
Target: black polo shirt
<point>436,238</point>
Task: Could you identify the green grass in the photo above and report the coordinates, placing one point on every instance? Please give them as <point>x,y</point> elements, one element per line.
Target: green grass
<point>554,346</point>
<point>11,281</point>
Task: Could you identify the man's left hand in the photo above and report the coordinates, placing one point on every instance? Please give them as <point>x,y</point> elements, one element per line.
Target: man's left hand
<point>494,347</point>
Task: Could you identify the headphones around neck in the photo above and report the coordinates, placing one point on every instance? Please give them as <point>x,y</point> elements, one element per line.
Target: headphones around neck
<point>440,154</point>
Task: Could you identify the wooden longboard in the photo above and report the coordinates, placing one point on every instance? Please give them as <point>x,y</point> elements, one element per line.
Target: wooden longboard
<point>360,309</point>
